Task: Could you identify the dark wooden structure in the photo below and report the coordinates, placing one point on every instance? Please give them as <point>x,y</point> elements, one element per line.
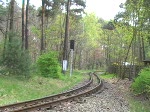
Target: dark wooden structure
<point>129,71</point>
<point>146,62</point>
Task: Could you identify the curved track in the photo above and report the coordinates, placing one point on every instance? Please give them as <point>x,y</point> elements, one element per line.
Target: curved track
<point>54,100</point>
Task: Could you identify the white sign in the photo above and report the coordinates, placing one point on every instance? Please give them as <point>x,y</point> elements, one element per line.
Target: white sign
<point>64,65</point>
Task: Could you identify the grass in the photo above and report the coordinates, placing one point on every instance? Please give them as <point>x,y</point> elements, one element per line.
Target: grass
<point>141,87</point>
<point>14,90</point>
<point>107,76</point>
<point>138,106</point>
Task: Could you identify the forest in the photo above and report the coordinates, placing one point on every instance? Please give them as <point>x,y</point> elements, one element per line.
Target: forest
<point>50,27</point>
<point>38,39</point>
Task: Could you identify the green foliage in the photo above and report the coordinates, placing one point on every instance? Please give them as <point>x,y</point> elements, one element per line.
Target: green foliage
<point>49,66</point>
<point>36,31</point>
<point>54,7</point>
<point>138,106</point>
<point>15,60</point>
<point>107,76</point>
<point>13,90</point>
<point>92,29</point>
<point>142,82</point>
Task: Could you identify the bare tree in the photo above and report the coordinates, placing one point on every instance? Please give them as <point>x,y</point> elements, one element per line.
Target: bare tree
<point>23,2</point>
<point>11,17</point>
<point>42,30</point>
<point>26,29</point>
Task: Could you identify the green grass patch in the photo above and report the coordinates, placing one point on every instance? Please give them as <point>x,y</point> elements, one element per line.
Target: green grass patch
<point>138,106</point>
<point>107,76</point>
<point>14,90</point>
<point>141,86</point>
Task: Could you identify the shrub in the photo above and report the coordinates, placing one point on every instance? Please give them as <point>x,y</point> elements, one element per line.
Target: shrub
<point>15,60</point>
<point>142,82</point>
<point>49,66</point>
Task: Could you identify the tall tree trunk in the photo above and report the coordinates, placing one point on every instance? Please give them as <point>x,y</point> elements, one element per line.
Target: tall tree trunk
<point>23,2</point>
<point>11,17</point>
<point>6,33</point>
<point>128,50</point>
<point>143,49</point>
<point>26,29</point>
<point>65,51</point>
<point>80,59</point>
<point>42,30</point>
<point>61,36</point>
<point>139,47</point>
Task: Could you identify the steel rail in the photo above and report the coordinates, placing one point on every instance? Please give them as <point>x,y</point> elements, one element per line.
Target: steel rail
<point>49,105</point>
<point>12,107</point>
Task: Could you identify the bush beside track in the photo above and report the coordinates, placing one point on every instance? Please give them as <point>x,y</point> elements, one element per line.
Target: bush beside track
<point>142,82</point>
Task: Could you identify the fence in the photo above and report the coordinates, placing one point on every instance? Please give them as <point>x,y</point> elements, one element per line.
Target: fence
<point>123,71</point>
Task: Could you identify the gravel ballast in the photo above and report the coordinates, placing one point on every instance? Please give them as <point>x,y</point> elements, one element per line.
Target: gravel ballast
<point>111,99</point>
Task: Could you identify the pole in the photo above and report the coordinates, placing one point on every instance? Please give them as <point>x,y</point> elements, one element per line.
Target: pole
<point>71,62</point>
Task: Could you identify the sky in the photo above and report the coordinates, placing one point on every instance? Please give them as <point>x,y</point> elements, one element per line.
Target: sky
<point>106,9</point>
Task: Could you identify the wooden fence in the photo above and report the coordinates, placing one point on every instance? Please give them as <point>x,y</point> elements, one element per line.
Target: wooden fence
<point>123,71</point>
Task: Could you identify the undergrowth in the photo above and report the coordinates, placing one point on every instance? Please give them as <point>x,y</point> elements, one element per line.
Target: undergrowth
<point>49,66</point>
<point>141,85</point>
<point>139,106</point>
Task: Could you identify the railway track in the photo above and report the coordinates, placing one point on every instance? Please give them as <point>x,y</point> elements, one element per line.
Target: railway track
<point>93,85</point>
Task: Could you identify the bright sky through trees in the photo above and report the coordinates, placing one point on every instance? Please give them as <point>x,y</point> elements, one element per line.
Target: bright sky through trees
<point>105,9</point>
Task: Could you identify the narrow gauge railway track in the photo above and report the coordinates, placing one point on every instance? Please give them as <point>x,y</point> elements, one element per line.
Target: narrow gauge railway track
<point>52,101</point>
<point>16,106</point>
